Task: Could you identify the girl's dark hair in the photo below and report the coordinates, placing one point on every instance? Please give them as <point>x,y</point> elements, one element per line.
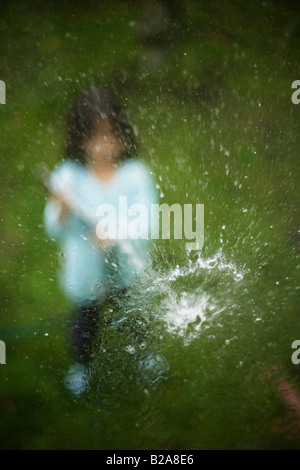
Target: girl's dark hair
<point>87,112</point>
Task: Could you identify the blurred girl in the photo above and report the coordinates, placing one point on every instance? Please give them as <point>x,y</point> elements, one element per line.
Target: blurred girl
<point>99,168</point>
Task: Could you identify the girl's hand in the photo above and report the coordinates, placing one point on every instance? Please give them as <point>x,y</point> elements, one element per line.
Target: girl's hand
<point>64,207</point>
<point>103,243</point>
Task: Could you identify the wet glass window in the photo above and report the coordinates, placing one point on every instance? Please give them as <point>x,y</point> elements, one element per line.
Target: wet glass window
<point>150,243</point>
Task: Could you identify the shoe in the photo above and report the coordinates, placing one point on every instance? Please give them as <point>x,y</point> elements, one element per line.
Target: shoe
<point>154,368</point>
<point>77,379</point>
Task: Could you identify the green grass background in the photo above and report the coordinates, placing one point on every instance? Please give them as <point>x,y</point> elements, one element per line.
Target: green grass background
<point>217,126</point>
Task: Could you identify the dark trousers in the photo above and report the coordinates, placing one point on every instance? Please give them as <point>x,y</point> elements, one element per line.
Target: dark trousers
<point>83,330</point>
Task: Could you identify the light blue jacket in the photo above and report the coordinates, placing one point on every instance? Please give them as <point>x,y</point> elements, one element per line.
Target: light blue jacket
<point>88,270</point>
